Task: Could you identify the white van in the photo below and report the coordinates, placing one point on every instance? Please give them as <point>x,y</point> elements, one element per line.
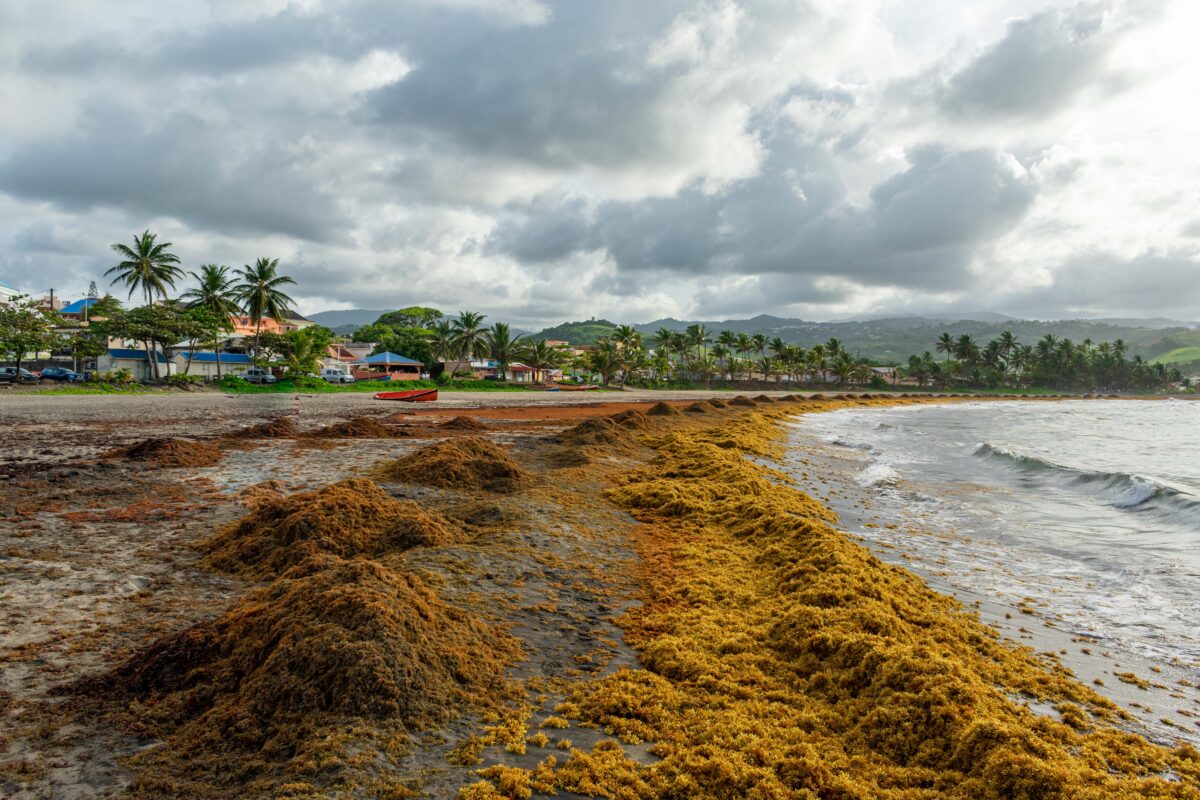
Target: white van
<point>336,376</point>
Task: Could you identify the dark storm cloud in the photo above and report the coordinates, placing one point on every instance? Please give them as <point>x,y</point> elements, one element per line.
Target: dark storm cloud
<point>570,92</point>
<point>920,229</point>
<point>215,176</point>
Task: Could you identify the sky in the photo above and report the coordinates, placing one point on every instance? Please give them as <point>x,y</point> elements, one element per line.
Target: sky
<point>544,161</point>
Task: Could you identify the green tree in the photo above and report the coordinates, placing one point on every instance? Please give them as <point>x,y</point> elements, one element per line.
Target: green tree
<point>148,266</point>
<point>469,334</point>
<point>410,317</point>
<point>945,344</point>
<point>542,357</point>
<point>259,293</point>
<point>308,347</point>
<point>606,360</point>
<point>502,346</point>
<point>25,328</point>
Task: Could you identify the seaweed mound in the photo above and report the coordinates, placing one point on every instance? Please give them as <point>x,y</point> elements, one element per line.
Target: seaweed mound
<point>328,642</point>
<point>359,428</point>
<point>762,398</point>
<point>593,431</point>
<point>278,428</point>
<point>717,402</point>
<point>663,409</point>
<point>631,418</point>
<point>461,423</point>
<point>462,463</point>
<point>742,400</point>
<point>169,452</point>
<point>348,518</point>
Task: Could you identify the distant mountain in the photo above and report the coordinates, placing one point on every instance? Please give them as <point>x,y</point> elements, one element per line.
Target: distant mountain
<point>355,317</point>
<point>897,338</point>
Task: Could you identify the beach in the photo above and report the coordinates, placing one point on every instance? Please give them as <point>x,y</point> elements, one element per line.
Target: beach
<point>503,595</point>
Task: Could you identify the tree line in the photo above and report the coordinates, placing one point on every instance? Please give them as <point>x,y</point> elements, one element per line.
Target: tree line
<point>1051,363</point>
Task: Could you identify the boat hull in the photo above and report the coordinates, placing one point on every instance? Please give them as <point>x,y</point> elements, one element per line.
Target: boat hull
<point>410,396</point>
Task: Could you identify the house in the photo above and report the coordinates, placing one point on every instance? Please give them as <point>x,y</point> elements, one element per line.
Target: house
<point>489,369</point>
<point>78,310</point>
<point>340,357</point>
<point>389,366</point>
<point>8,292</point>
<point>136,361</point>
<point>204,364</point>
<point>244,325</point>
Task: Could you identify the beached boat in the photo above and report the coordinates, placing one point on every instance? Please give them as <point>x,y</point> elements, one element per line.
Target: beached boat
<point>538,387</point>
<point>577,387</point>
<point>410,396</point>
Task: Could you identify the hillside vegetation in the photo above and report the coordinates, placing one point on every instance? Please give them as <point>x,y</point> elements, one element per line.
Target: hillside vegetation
<point>578,332</point>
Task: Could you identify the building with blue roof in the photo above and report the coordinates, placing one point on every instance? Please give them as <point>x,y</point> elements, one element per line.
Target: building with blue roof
<point>203,363</point>
<point>391,366</point>
<point>134,360</point>
<point>79,308</point>
<point>8,291</point>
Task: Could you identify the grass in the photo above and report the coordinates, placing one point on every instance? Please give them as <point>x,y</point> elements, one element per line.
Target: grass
<point>102,388</point>
<point>1179,355</point>
<point>314,387</point>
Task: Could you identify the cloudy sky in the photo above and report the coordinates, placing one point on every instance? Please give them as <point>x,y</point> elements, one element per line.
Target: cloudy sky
<point>546,161</point>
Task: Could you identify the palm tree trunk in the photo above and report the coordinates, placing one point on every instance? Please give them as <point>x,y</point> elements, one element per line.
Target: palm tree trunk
<point>217,352</point>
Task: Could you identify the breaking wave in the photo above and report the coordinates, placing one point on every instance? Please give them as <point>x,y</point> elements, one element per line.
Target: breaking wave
<point>1120,489</point>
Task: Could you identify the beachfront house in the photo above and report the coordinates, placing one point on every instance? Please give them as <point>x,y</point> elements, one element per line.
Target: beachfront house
<point>136,361</point>
<point>203,364</point>
<point>387,366</point>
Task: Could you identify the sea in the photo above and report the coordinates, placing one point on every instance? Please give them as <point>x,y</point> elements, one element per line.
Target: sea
<point>1086,510</point>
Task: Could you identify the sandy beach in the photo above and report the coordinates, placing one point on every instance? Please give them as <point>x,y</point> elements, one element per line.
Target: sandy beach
<point>507,595</point>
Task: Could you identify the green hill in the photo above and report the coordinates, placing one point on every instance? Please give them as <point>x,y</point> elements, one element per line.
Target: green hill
<point>578,332</point>
<point>1179,355</point>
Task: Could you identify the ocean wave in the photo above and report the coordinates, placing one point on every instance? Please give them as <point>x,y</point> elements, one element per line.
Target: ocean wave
<point>878,475</point>
<point>1125,490</point>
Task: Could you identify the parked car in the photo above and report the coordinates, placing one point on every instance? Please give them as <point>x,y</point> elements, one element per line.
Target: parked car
<point>60,374</point>
<point>258,375</point>
<point>336,376</point>
<point>10,375</point>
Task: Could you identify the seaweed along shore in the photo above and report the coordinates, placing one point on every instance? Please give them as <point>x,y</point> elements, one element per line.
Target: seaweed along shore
<point>778,659</point>
<point>634,606</point>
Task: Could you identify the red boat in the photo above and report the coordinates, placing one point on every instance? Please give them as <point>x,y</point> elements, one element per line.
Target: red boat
<point>410,396</point>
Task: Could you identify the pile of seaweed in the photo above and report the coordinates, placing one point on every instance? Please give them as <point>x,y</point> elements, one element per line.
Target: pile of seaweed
<point>663,409</point>
<point>742,400</point>
<point>594,431</point>
<point>349,518</point>
<point>168,452</point>
<point>462,463</point>
<point>700,407</point>
<point>462,423</point>
<point>781,659</point>
<point>276,688</point>
<point>762,398</point>
<point>359,428</point>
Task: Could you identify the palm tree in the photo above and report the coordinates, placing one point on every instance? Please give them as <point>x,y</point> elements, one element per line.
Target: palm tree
<point>606,360</point>
<point>945,344</point>
<point>501,347</point>
<point>259,294</point>
<point>542,357</point>
<point>441,341</point>
<point>627,337</point>
<point>214,291</point>
<point>468,334</point>
<point>148,266</point>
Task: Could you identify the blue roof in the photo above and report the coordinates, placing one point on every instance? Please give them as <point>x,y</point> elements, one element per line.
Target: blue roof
<point>79,305</point>
<point>209,357</point>
<point>387,358</point>
<point>134,355</point>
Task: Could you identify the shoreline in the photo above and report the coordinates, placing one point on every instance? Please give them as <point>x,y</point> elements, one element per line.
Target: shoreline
<point>1169,688</point>
<point>647,633</point>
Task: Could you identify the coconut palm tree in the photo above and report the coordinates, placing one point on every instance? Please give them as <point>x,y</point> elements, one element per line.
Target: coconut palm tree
<point>468,334</point>
<point>149,266</point>
<point>945,344</point>
<point>214,290</point>
<point>627,337</point>
<point>501,346</point>
<point>607,360</point>
<point>441,341</point>
<point>542,357</point>
<point>260,296</point>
